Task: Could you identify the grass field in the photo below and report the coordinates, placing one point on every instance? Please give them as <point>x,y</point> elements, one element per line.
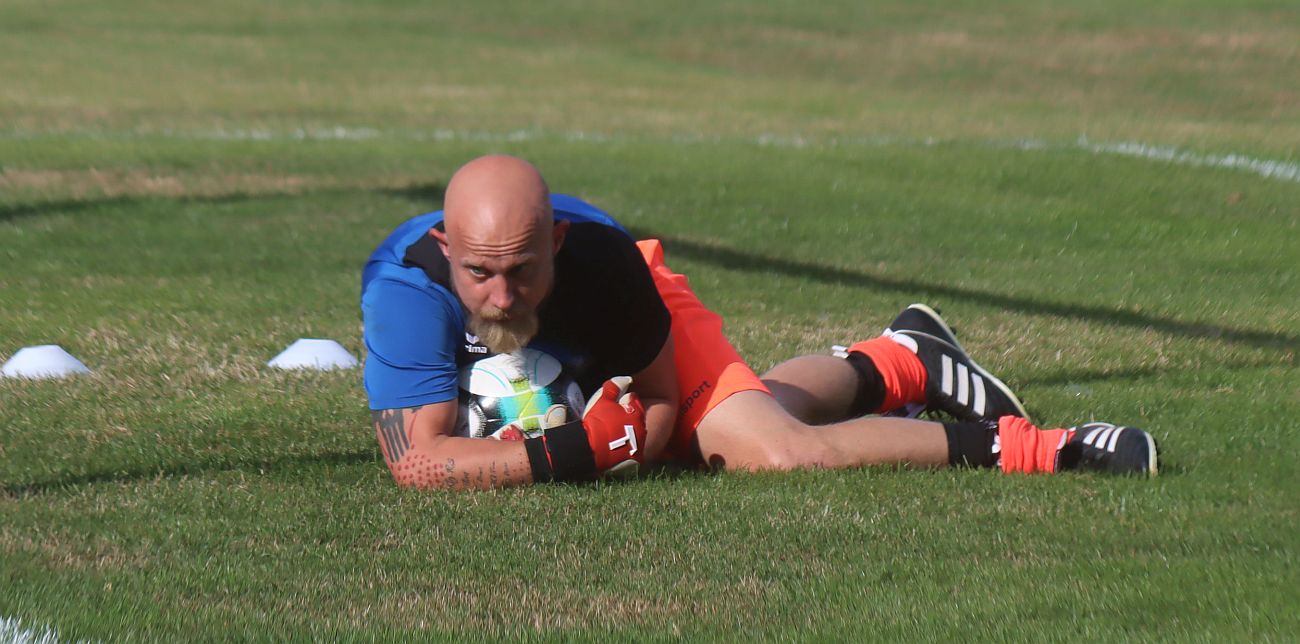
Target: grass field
<point>1103,198</point>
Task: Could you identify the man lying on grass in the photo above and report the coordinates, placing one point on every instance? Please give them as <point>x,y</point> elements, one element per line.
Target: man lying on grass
<point>506,265</point>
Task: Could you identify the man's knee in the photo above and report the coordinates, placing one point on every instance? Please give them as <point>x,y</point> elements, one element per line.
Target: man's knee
<point>749,430</point>
<point>774,458</point>
<point>784,459</point>
<point>767,447</point>
<point>796,448</point>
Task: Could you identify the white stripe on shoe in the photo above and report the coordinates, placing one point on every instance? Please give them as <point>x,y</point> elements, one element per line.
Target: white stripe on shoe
<point>1110,445</point>
<point>963,384</point>
<point>1103,437</point>
<point>1001,393</point>
<point>978,382</point>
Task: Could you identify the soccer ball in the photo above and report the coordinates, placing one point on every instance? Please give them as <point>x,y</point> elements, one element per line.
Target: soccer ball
<point>525,389</point>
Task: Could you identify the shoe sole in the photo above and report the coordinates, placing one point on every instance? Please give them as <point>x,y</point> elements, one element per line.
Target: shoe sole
<point>1153,451</point>
<point>1002,386</point>
<point>1153,454</point>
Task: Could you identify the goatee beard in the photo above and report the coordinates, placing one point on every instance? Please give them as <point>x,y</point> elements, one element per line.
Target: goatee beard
<point>501,333</point>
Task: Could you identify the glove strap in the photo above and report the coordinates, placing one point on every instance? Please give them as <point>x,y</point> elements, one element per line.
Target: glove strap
<point>538,460</point>
<point>561,454</point>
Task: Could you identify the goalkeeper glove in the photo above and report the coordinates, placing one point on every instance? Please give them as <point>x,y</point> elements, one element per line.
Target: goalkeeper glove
<point>608,441</point>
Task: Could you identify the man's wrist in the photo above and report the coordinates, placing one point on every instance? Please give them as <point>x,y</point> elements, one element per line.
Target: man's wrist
<point>561,454</point>
<point>539,461</point>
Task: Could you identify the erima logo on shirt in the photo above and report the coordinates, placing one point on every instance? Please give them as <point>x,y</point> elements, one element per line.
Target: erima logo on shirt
<point>472,345</point>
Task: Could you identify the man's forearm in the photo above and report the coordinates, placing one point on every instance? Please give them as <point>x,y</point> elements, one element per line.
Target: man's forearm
<point>660,417</point>
<point>456,463</point>
<point>657,387</point>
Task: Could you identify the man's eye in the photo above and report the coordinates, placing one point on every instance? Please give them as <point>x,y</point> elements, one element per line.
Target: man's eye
<point>517,270</point>
<point>477,271</point>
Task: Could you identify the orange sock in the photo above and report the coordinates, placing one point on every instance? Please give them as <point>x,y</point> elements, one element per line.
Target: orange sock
<point>900,369</point>
<point>1028,449</point>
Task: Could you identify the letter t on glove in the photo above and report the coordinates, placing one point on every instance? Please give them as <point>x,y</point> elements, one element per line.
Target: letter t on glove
<point>615,424</point>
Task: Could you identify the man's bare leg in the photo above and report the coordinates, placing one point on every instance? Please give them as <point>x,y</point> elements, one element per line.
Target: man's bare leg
<point>751,431</point>
<point>815,389</point>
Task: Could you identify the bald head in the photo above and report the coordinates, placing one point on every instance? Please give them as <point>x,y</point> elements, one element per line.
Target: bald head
<point>497,203</point>
<point>500,239</point>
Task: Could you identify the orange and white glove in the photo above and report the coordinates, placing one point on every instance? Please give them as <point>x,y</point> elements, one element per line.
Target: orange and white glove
<point>615,424</point>
<point>609,440</point>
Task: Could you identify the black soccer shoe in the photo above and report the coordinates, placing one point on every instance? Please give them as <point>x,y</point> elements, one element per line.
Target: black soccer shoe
<point>1110,448</point>
<point>954,382</point>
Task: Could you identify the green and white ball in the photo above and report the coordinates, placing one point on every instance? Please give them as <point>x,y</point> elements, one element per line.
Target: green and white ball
<point>517,388</point>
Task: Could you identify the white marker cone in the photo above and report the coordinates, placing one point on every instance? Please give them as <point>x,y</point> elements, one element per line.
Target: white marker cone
<point>44,361</point>
<point>310,353</point>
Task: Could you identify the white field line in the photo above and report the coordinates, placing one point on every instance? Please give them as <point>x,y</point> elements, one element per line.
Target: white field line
<point>1267,168</point>
<point>13,632</point>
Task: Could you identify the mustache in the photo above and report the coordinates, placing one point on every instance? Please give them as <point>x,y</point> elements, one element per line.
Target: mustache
<point>501,331</point>
<point>494,314</point>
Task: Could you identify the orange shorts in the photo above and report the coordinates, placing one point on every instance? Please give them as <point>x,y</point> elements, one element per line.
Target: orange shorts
<point>709,369</point>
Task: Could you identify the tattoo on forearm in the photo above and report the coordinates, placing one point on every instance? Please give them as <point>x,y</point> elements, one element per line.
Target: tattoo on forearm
<point>417,468</point>
<point>390,426</point>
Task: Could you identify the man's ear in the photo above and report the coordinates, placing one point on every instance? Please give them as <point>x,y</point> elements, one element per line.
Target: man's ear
<point>558,232</point>
<point>442,241</point>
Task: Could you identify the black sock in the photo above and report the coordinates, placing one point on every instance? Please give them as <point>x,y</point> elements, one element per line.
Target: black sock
<point>971,444</point>
<point>871,387</point>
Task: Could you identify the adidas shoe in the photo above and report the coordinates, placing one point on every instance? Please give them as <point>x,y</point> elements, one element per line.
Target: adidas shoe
<point>1110,448</point>
<point>955,383</point>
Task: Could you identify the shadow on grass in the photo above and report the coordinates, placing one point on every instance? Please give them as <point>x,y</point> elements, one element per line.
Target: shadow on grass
<point>429,195</point>
<point>1133,374</point>
<point>75,206</point>
<point>734,259</point>
<point>281,463</point>
<point>299,462</point>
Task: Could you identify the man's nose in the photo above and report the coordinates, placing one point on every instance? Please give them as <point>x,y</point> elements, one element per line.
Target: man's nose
<point>502,295</point>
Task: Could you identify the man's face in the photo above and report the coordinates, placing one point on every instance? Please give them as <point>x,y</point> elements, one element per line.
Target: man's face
<point>502,284</point>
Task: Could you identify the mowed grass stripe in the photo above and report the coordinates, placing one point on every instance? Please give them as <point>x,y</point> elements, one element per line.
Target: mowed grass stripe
<point>1169,72</point>
<point>1283,170</point>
